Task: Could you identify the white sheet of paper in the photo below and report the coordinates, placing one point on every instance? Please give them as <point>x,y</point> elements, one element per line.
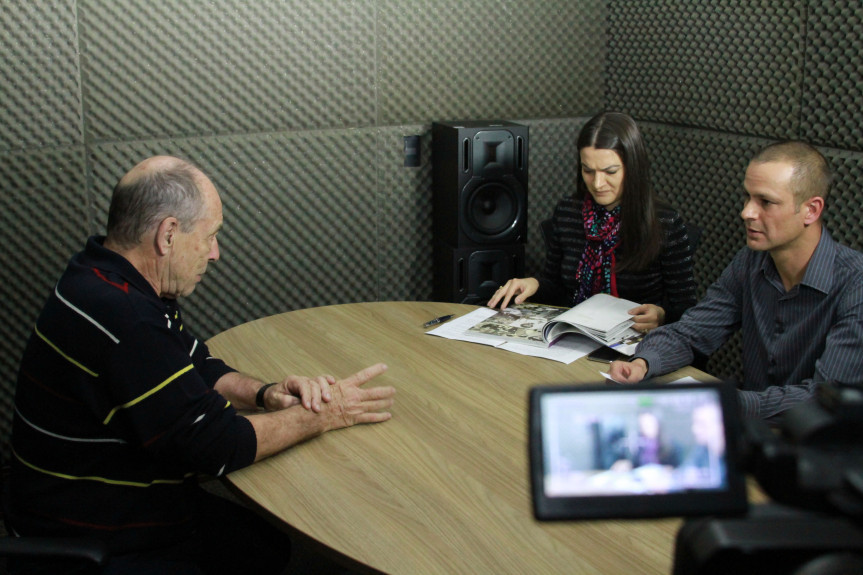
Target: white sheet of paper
<point>687,379</point>
<point>457,328</point>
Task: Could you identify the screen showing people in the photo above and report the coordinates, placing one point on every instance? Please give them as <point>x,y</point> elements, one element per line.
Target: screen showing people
<point>619,442</point>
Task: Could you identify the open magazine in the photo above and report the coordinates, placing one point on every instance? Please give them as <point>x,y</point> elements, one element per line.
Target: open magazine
<point>603,318</point>
<point>522,323</point>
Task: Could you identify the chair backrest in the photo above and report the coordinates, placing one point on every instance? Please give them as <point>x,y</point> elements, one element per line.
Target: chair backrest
<point>545,228</point>
<point>694,233</point>
<point>79,551</point>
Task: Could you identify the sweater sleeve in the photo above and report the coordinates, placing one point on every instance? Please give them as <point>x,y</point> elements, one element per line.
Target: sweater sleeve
<point>168,407</point>
<point>703,328</point>
<point>211,368</point>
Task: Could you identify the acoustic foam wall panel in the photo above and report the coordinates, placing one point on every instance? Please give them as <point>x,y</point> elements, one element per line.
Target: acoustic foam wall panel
<point>163,68</point>
<point>227,82</point>
<point>325,217</point>
<point>43,204</point>
<point>701,174</point>
<point>191,69</point>
<point>301,219</point>
<point>404,229</point>
<point>39,87</point>
<point>449,59</point>
<point>832,109</point>
<point>844,208</point>
<point>552,176</point>
<point>727,65</point>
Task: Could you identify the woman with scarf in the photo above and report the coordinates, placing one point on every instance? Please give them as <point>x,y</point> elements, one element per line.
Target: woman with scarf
<point>613,236</point>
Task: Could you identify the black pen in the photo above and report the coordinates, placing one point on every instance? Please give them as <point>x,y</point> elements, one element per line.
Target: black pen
<point>438,320</point>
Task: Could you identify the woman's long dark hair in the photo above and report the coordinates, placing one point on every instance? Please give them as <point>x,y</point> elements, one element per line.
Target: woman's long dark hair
<point>640,230</point>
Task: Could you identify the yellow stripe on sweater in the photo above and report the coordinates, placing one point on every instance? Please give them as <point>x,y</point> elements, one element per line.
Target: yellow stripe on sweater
<point>148,394</point>
<point>66,357</point>
<point>100,479</point>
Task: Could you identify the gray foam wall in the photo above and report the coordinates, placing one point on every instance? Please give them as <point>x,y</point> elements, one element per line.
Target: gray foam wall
<point>297,109</point>
<point>712,82</point>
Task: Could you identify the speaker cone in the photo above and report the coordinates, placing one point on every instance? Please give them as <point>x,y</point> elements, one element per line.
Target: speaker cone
<point>492,209</point>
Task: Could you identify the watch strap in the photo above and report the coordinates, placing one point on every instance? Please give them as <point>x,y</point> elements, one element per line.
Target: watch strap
<point>259,397</point>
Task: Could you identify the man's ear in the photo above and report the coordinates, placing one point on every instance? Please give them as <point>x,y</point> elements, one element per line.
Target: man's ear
<point>813,208</point>
<point>165,233</point>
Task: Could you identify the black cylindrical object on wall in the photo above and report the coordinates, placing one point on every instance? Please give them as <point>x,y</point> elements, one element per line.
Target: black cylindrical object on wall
<point>480,183</point>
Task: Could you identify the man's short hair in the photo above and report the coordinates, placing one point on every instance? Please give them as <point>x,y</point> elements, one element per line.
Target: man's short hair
<point>143,202</point>
<point>812,176</point>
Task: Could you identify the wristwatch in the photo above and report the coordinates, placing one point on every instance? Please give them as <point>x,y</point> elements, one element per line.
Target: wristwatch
<point>259,397</point>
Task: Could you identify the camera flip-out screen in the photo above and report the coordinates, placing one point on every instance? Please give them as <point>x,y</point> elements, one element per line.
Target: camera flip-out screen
<point>605,451</point>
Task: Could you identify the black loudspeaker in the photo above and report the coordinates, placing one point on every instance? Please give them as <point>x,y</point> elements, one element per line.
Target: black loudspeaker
<point>479,182</point>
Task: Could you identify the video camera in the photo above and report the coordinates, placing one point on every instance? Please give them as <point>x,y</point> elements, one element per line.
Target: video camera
<point>811,466</point>
<point>683,450</point>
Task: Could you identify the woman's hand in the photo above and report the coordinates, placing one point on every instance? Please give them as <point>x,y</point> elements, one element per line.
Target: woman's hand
<point>521,288</point>
<point>647,317</point>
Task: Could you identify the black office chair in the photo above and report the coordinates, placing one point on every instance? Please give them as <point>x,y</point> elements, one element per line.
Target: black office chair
<point>81,550</point>
<point>90,552</point>
<point>545,229</point>
<point>693,232</point>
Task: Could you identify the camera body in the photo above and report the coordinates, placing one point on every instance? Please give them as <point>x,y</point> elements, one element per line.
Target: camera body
<point>812,467</point>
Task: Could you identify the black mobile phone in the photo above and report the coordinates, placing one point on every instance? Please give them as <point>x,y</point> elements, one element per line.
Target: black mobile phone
<point>605,355</point>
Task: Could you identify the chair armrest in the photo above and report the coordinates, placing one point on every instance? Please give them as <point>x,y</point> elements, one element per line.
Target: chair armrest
<point>90,550</point>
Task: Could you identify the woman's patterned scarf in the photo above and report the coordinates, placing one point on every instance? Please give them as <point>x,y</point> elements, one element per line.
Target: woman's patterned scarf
<point>595,272</point>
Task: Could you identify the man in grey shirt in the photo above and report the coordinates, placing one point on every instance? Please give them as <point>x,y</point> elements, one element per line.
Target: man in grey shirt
<point>795,294</point>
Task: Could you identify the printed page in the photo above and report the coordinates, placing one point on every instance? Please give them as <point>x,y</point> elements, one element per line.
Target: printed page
<point>601,312</point>
<point>522,324</point>
<point>567,350</point>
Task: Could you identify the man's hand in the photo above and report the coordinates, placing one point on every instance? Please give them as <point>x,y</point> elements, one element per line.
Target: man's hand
<point>623,371</point>
<point>351,404</point>
<point>297,389</point>
<point>647,317</point>
<point>521,289</point>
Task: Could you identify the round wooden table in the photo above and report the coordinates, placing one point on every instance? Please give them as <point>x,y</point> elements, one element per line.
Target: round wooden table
<point>443,487</point>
